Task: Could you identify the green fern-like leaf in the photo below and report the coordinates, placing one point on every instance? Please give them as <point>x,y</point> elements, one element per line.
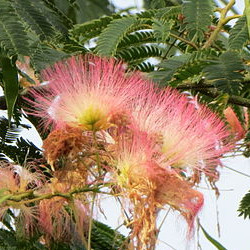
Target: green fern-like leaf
<point>110,38</point>
<point>225,72</point>
<point>42,56</point>
<point>139,53</point>
<point>137,38</point>
<point>193,67</point>
<point>198,17</point>
<point>168,12</point>
<point>10,241</point>
<point>91,9</point>
<point>143,67</point>
<point>21,152</point>
<point>13,147</point>
<point>105,238</point>
<point>178,68</point>
<point>168,68</point>
<point>162,29</point>
<point>8,133</point>
<point>238,34</point>
<point>58,17</point>
<point>30,12</point>
<point>13,37</point>
<point>85,31</point>
<point>244,208</point>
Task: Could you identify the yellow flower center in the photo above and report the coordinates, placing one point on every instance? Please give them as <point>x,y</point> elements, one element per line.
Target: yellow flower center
<point>93,118</point>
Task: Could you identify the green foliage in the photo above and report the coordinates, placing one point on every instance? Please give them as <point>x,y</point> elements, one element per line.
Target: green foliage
<point>169,67</point>
<point>17,149</point>
<point>78,11</point>
<point>111,36</point>
<point>143,66</point>
<point>9,240</point>
<point>136,38</point>
<point>238,34</point>
<point>168,12</point>
<point>8,134</point>
<point>43,56</point>
<point>162,29</point>
<point>247,13</point>
<point>105,238</point>
<point>35,17</point>
<point>176,69</point>
<point>11,85</point>
<point>156,4</point>
<point>139,53</point>
<point>85,31</point>
<point>225,72</point>
<point>212,240</point>
<point>13,37</point>
<point>244,208</point>
<point>198,17</point>
<point>91,9</point>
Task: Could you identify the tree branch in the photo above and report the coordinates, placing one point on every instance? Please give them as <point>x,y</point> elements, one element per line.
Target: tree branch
<point>223,20</point>
<point>234,99</point>
<point>210,90</point>
<point>31,196</point>
<point>185,41</point>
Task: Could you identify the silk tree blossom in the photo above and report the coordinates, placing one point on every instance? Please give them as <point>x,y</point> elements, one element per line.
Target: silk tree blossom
<point>150,183</point>
<point>60,219</point>
<point>85,92</point>
<point>152,143</point>
<point>14,181</point>
<point>190,135</point>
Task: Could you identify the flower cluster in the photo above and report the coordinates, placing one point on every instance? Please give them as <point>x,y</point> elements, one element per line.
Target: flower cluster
<point>112,125</point>
<point>28,197</point>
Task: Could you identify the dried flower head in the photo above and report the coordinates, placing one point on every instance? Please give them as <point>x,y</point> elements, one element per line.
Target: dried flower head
<point>150,182</point>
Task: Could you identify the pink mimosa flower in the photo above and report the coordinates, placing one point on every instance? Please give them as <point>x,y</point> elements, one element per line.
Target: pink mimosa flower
<point>191,136</point>
<point>14,180</point>
<point>55,220</point>
<point>85,92</point>
<point>151,183</point>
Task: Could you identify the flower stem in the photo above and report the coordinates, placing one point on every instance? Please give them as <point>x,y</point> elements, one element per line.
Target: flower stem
<point>91,222</point>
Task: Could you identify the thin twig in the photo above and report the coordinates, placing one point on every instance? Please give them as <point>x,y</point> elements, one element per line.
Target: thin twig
<point>167,244</point>
<point>91,222</point>
<point>164,218</point>
<point>233,9</point>
<point>239,172</point>
<point>222,21</point>
<point>185,41</point>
